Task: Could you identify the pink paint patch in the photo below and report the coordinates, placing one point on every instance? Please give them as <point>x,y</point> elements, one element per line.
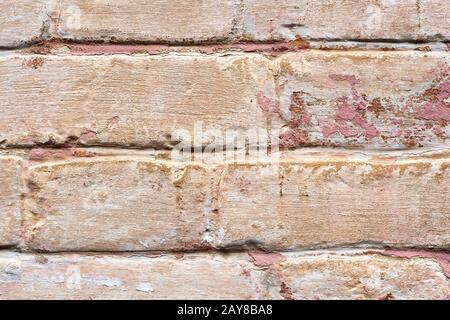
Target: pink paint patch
<point>371,132</point>
<point>353,80</point>
<point>347,132</point>
<point>444,91</point>
<point>398,133</point>
<point>438,131</point>
<point>438,111</point>
<point>40,154</point>
<point>37,154</point>
<point>263,102</point>
<point>293,138</point>
<point>328,131</point>
<point>397,122</point>
<point>442,257</point>
<point>246,272</point>
<point>266,104</point>
<point>88,135</point>
<point>108,49</point>
<point>344,111</point>
<point>266,259</point>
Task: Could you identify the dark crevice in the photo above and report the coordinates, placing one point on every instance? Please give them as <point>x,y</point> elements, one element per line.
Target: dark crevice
<point>244,247</point>
<point>212,42</point>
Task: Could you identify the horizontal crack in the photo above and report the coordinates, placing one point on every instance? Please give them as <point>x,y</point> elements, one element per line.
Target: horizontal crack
<point>130,47</point>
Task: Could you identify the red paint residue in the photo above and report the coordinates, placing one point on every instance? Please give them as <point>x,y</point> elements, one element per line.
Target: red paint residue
<point>109,49</point>
<point>266,104</point>
<point>293,138</point>
<point>442,257</point>
<point>438,131</point>
<point>34,63</point>
<point>246,272</point>
<point>387,296</point>
<point>350,117</point>
<point>434,112</point>
<point>88,135</point>
<point>286,292</point>
<point>42,154</point>
<point>438,106</point>
<point>266,259</point>
<point>353,80</point>
<point>300,120</point>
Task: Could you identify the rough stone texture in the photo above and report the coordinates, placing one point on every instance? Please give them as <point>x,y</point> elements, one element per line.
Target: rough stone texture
<point>337,276</point>
<point>204,276</point>
<point>92,108</point>
<point>254,20</point>
<point>405,20</point>
<point>23,21</point>
<point>116,205</point>
<point>330,19</point>
<point>149,21</point>
<point>328,201</point>
<point>367,99</point>
<point>328,98</point>
<point>10,190</point>
<point>344,275</point>
<point>194,21</point>
<point>120,100</point>
<point>435,19</point>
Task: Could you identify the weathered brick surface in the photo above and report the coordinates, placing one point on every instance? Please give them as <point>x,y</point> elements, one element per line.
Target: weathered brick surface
<point>119,100</point>
<point>96,95</point>
<point>434,19</point>
<point>254,20</point>
<point>366,99</point>
<point>331,19</point>
<point>214,276</point>
<point>116,205</point>
<point>204,276</point>
<point>232,20</point>
<point>23,21</point>
<point>149,21</point>
<point>338,276</point>
<point>333,201</point>
<point>371,99</point>
<point>10,190</point>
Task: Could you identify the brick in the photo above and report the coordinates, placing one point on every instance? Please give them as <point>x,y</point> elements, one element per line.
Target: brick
<point>331,201</point>
<point>322,275</point>
<point>356,276</point>
<point>116,205</point>
<point>435,19</point>
<point>23,21</point>
<point>204,276</point>
<point>375,100</point>
<point>326,98</point>
<point>148,21</point>
<point>255,20</point>
<point>10,190</point>
<point>331,20</point>
<point>128,101</point>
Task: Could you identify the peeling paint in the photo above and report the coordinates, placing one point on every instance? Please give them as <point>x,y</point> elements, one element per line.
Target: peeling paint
<point>442,257</point>
<point>266,259</point>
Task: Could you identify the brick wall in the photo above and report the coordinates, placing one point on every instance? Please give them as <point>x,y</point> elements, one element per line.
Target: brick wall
<point>235,149</point>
